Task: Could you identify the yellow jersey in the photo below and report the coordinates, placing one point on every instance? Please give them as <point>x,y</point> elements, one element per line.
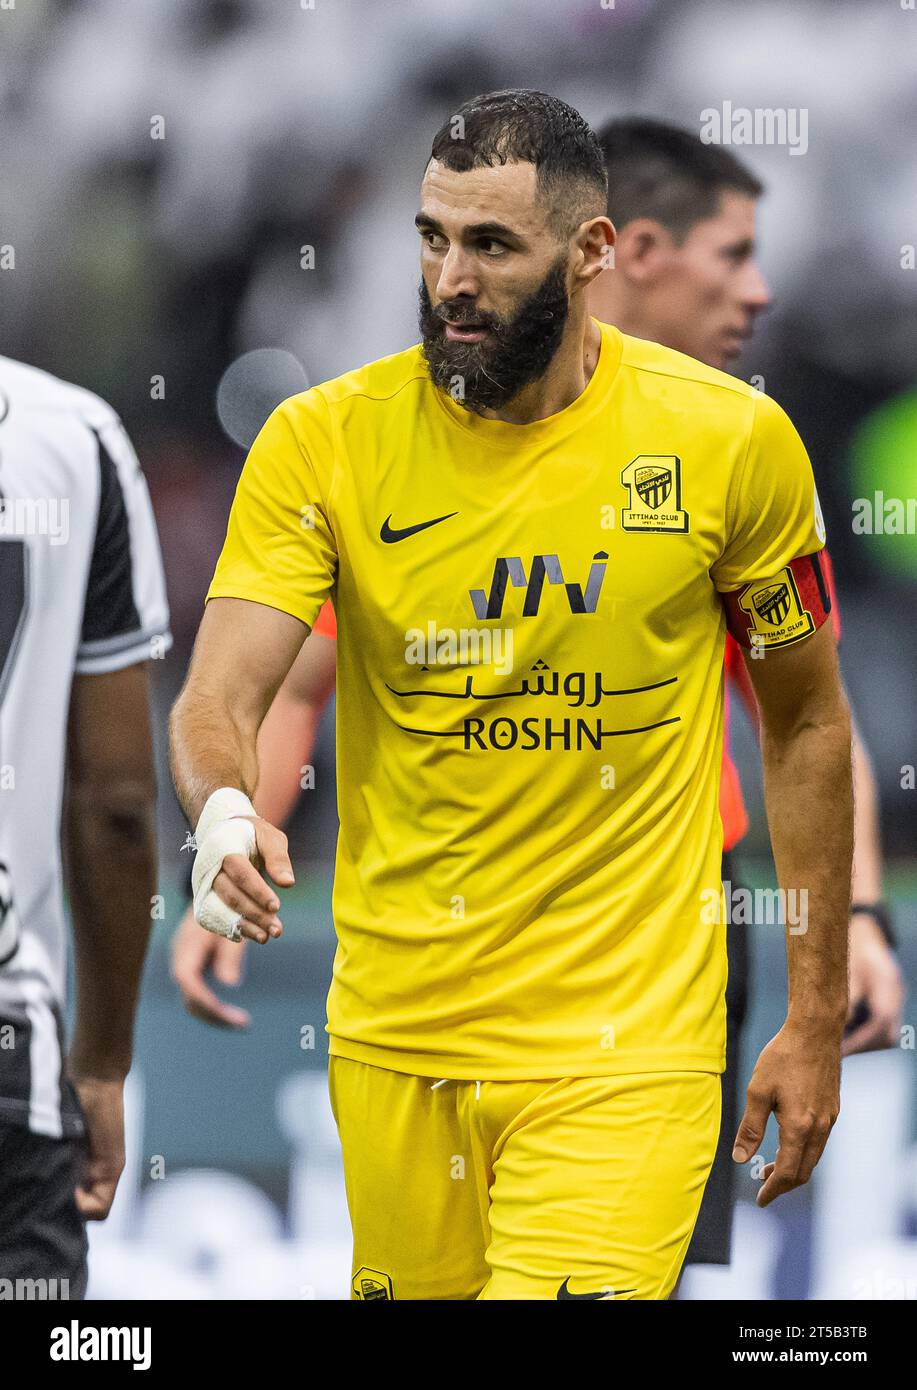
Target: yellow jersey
<point>530,698</point>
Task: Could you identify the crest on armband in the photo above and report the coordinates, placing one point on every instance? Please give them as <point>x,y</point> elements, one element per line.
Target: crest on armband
<point>782,608</point>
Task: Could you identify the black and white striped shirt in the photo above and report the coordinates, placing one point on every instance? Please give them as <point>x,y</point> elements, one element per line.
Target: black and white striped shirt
<point>81,591</point>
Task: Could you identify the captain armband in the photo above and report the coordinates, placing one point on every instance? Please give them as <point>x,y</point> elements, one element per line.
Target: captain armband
<point>781,609</point>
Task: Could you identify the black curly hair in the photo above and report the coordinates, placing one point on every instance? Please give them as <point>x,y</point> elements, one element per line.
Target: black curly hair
<point>522,126</point>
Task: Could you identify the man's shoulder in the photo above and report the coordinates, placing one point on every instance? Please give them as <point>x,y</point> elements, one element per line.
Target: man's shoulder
<point>382,383</point>
<point>27,392</point>
<point>382,380</point>
<point>696,378</point>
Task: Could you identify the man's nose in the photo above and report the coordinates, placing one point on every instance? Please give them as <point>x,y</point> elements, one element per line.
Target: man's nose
<point>756,293</point>
<point>457,277</point>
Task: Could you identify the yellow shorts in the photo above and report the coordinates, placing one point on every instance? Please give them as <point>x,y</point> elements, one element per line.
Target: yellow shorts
<point>584,1188</point>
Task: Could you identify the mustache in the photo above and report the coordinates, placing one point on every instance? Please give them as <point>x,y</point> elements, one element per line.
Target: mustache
<point>518,348</point>
<point>459,314</point>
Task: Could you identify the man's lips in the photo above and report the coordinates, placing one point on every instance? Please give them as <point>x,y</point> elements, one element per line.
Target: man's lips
<point>734,340</point>
<point>465,332</point>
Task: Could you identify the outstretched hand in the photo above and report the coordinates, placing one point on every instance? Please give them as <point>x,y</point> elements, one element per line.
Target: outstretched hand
<point>797,1077</point>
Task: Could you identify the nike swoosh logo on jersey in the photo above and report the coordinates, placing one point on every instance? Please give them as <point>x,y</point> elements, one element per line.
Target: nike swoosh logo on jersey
<point>390,536</point>
<point>564,1292</point>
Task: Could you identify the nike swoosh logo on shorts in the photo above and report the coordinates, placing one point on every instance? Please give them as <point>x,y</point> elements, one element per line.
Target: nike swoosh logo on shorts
<point>564,1292</point>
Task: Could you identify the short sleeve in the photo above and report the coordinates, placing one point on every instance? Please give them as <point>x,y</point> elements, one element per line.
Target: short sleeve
<point>773,513</point>
<point>280,547</point>
<point>125,610</point>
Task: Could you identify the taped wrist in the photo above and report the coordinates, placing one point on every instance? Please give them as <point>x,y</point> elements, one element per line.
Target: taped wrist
<point>221,830</point>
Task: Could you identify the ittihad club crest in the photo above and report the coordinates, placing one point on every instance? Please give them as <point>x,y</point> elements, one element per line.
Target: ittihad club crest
<point>371,1283</point>
<point>653,483</point>
<point>773,604</point>
<point>653,486</point>
<point>775,610</point>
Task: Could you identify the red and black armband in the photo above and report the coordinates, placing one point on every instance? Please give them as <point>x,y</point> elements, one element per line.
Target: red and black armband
<point>783,608</point>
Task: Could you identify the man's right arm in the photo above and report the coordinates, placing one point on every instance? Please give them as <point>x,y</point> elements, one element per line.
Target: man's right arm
<point>285,743</point>
<point>242,654</point>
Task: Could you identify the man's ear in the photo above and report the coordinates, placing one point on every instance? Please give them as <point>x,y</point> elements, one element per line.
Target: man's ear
<point>644,249</point>
<point>596,241</point>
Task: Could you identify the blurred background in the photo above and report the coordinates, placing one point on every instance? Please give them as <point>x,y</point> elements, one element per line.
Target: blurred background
<point>210,206</point>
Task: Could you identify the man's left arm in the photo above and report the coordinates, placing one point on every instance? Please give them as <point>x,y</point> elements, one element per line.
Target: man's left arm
<point>109,844</point>
<point>107,830</point>
<point>876,982</point>
<point>805,745</point>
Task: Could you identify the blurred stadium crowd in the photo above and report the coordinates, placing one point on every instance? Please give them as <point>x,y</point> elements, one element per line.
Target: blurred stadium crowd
<point>185,184</point>
<point>167,168</point>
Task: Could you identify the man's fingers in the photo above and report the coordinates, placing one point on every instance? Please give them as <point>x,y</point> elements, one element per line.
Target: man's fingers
<point>96,1182</point>
<point>227,963</point>
<point>241,894</point>
<point>775,1185</point>
<point>94,1201</point>
<point>880,988</point>
<point>202,1003</point>
<point>751,1129</point>
<point>813,1151</point>
<point>210,1008</point>
<point>870,1036</point>
<point>243,874</point>
<point>799,1150</point>
<point>886,1002</point>
<point>191,947</point>
<point>272,846</point>
<point>259,935</point>
<point>241,887</point>
<point>195,950</point>
<point>782,1175</point>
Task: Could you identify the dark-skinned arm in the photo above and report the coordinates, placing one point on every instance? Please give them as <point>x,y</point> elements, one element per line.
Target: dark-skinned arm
<point>109,848</point>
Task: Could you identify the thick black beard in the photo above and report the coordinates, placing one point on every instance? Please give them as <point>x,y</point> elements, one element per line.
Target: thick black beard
<point>491,373</point>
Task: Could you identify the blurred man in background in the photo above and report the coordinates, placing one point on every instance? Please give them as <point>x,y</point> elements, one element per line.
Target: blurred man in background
<point>82,610</point>
<point>685,274</point>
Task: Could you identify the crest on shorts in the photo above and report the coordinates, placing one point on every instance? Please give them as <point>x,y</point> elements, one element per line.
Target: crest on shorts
<point>371,1283</point>
<point>653,483</point>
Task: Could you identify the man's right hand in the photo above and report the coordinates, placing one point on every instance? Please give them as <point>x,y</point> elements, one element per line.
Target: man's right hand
<point>101,1160</point>
<point>240,886</point>
<point>196,951</point>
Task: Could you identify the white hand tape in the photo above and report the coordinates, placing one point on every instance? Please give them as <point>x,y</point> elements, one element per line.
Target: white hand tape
<point>221,830</point>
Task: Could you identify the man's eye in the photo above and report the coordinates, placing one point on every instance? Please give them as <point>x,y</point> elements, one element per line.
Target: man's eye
<point>491,247</point>
<point>434,240</point>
